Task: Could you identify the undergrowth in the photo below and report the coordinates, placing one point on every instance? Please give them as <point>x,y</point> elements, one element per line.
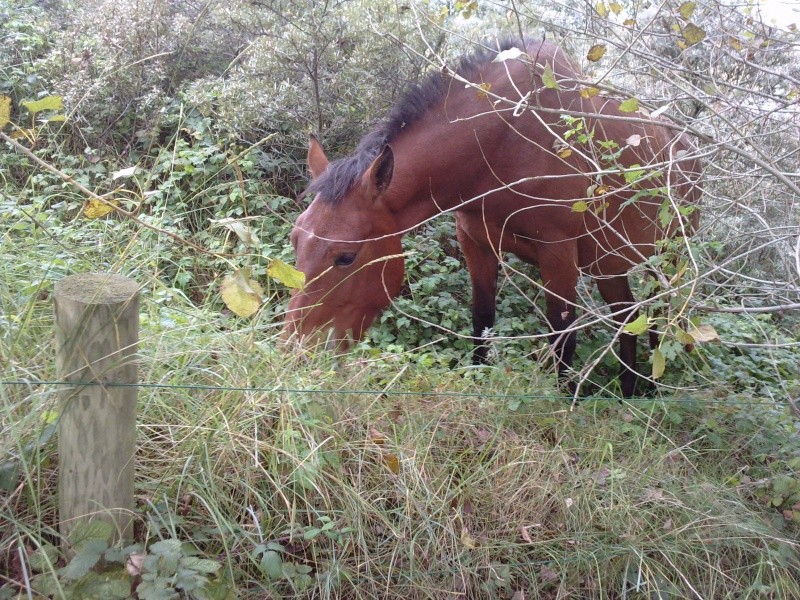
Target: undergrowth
<point>386,472</point>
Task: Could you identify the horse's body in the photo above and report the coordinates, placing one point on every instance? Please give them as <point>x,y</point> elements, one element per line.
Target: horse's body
<point>520,178</point>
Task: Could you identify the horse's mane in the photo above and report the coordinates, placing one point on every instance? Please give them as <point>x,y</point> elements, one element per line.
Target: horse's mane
<point>342,174</point>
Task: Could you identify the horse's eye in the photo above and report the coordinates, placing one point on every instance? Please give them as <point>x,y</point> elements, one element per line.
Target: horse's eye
<point>344,260</point>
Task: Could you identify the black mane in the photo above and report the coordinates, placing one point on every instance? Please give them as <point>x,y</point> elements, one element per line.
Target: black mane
<point>342,174</point>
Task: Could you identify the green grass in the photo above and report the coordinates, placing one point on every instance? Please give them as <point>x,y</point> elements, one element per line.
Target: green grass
<point>387,475</point>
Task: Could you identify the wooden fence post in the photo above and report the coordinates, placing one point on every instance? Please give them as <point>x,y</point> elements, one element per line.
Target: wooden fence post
<point>97,330</point>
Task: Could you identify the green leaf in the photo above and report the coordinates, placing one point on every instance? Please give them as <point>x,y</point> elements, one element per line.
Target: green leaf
<point>686,9</point>
<point>286,274</point>
<point>81,564</point>
<point>44,558</point>
<point>693,34</point>
<point>659,363</point>
<point>90,530</point>
<point>629,105</point>
<point>548,78</point>
<point>46,103</point>
<point>580,206</point>
<point>271,565</point>
<point>637,327</point>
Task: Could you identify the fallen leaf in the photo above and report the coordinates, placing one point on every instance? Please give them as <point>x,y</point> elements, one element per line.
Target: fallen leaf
<point>482,89</point>
<point>96,209</point>
<point>548,575</point>
<point>123,173</point>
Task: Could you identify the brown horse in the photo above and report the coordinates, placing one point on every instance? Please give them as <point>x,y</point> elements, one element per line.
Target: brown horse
<point>564,180</point>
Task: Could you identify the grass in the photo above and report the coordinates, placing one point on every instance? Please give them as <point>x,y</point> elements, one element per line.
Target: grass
<point>372,476</point>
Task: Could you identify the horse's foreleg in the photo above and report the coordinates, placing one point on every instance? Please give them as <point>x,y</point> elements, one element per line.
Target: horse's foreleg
<point>616,291</point>
<point>482,263</point>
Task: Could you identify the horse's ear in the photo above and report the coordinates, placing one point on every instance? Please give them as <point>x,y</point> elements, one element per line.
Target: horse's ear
<point>379,174</point>
<point>317,161</point>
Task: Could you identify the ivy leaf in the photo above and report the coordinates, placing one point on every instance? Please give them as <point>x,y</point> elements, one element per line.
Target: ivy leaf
<point>5,111</point>
<point>241,294</point>
<point>548,78</point>
<point>659,363</point>
<point>629,105</point>
<point>596,52</point>
<point>638,326</point>
<point>286,274</point>
<point>686,9</point>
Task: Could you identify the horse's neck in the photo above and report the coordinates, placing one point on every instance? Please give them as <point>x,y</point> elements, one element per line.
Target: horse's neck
<point>427,184</point>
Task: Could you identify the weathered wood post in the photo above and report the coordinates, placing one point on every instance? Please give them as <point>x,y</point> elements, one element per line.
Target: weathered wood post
<point>97,330</point>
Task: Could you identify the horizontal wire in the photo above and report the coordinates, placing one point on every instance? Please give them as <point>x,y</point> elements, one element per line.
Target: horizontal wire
<point>387,393</point>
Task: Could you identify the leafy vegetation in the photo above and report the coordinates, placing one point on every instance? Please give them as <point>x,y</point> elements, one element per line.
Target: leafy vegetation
<point>398,470</point>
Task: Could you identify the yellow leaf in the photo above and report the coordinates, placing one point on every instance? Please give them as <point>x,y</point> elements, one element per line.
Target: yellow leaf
<point>686,9</point>
<point>596,52</point>
<point>467,539</point>
<point>601,9</point>
<point>241,295</point>
<point>589,92</point>
<point>46,103</point>
<point>548,78</point>
<point>482,89</point>
<point>392,462</point>
<point>49,417</point>
<point>704,333</point>
<point>601,190</point>
<point>5,111</point>
<point>693,34</point>
<point>629,22</point>
<point>659,363</point>
<point>735,43</point>
<point>615,7</point>
<point>637,327</point>
<point>565,152</point>
<point>286,274</point>
<point>96,209</point>
<point>580,206</point>
<point>630,105</point>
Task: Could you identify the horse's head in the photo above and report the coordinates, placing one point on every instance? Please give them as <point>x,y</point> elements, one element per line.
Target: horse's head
<point>348,246</point>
